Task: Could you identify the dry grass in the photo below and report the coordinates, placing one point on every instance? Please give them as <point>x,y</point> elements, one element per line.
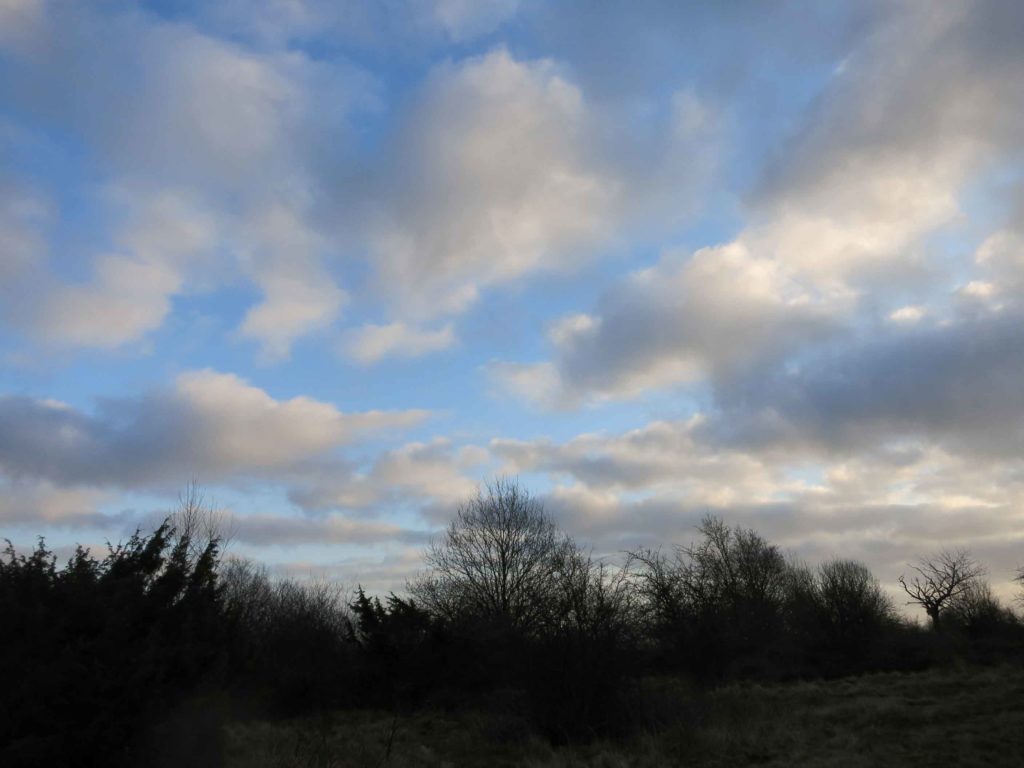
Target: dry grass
<point>961,717</point>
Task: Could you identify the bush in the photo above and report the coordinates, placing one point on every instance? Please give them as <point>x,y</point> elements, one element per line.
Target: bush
<point>97,652</point>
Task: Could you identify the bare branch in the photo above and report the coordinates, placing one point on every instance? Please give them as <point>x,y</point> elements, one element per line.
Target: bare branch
<point>940,579</point>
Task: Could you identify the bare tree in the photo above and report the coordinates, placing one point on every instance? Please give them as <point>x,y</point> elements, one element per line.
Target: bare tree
<point>941,579</point>
<point>1019,578</point>
<point>727,568</point>
<point>199,522</point>
<point>592,598</point>
<point>659,583</point>
<point>976,606</point>
<point>732,566</point>
<point>498,560</point>
<point>851,595</point>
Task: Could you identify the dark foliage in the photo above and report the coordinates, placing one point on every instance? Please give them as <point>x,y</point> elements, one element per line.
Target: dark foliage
<point>140,656</point>
<point>94,653</point>
<point>288,654</point>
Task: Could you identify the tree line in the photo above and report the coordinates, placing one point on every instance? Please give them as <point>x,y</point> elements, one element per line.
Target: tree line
<point>138,657</point>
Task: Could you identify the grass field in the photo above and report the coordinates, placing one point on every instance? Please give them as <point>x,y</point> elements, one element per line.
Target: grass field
<point>952,717</point>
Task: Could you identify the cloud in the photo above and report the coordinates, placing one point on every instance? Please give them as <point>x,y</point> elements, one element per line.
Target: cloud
<point>126,299</point>
<point>24,215</point>
<point>1001,259</point>
<point>20,21</point>
<point>955,384</point>
<point>208,424</point>
<point>165,237</point>
<point>281,531</point>
<point>503,170</point>
<point>466,19</point>
<point>431,474</point>
<point>372,343</point>
<point>718,311</point>
<point>30,504</point>
<point>402,25</point>
<point>884,502</point>
<point>208,147</point>
<point>842,226</point>
<point>492,179</point>
<point>658,455</point>
<point>497,169</point>
<point>299,295</point>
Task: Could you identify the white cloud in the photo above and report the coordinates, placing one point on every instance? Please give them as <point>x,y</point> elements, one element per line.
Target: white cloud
<point>539,384</point>
<point>908,314</point>
<point>372,343</point>
<point>214,151</point>
<point>127,299</point>
<point>1001,258</point>
<point>493,179</point>
<point>299,298</point>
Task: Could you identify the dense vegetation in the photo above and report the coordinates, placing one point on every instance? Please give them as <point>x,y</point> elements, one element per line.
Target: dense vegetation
<point>159,651</point>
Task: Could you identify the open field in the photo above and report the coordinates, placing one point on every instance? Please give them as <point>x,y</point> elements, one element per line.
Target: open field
<point>966,716</point>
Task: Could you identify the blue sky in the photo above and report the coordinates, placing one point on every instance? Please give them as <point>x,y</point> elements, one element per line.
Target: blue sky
<point>342,262</point>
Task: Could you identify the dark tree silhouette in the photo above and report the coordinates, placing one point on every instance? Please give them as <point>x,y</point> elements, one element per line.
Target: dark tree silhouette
<point>1019,578</point>
<point>851,597</point>
<point>838,615</point>
<point>497,561</point>
<point>717,604</point>
<point>141,656</point>
<point>95,653</point>
<point>941,579</point>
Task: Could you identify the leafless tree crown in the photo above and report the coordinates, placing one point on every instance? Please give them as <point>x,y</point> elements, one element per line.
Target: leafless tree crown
<point>499,558</point>
<point>941,579</point>
<point>199,522</point>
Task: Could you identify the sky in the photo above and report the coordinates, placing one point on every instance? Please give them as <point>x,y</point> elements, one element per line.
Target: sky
<point>340,262</point>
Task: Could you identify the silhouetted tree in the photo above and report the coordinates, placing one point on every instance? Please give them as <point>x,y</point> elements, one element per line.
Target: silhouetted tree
<point>719,600</point>
<point>585,653</point>
<point>852,600</point>
<point>289,640</point>
<point>497,561</point>
<point>94,654</point>
<point>941,579</point>
<point>404,655</point>
<point>838,615</point>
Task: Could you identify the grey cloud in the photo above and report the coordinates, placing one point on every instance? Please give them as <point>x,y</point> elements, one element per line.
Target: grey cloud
<point>919,110</point>
<point>433,475</point>
<point>716,313</point>
<point>927,76</point>
<point>271,530</point>
<point>29,504</point>
<point>642,40</point>
<point>657,454</point>
<point>958,384</point>
<point>211,425</point>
